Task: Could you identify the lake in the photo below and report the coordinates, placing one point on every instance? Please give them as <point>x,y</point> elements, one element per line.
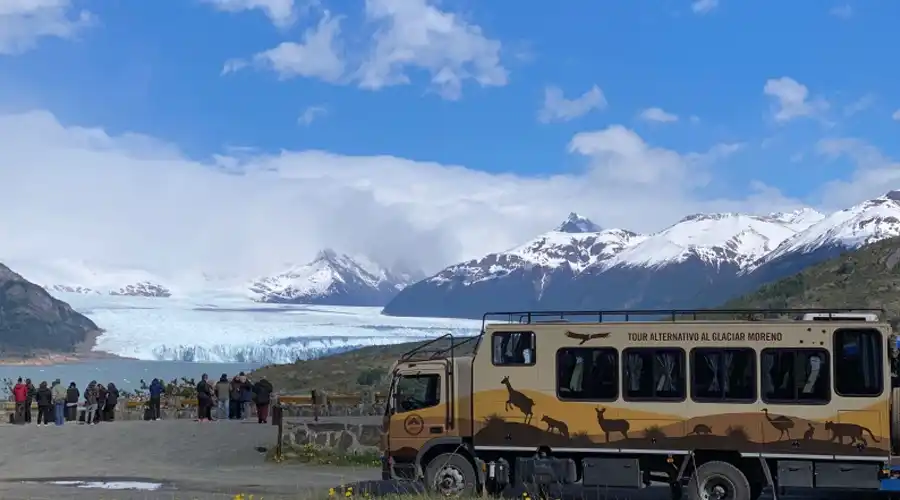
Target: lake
<point>125,373</point>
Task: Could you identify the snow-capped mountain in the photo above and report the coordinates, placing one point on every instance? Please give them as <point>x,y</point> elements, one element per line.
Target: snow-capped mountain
<point>517,278</point>
<point>72,276</point>
<point>332,279</point>
<point>715,239</point>
<point>868,222</point>
<point>700,261</point>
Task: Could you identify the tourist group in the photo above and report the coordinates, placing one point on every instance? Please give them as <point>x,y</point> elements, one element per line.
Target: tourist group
<point>233,399</point>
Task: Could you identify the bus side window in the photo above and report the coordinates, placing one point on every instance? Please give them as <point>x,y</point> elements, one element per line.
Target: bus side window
<point>513,348</point>
<point>859,362</point>
<point>795,376</point>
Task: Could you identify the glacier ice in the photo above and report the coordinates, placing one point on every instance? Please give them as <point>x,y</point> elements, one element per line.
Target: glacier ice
<point>222,329</point>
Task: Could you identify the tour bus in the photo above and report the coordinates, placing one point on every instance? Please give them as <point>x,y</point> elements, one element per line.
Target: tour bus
<point>715,403</point>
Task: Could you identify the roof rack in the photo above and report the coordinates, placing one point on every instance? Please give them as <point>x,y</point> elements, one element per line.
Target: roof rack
<point>674,315</point>
<point>436,351</point>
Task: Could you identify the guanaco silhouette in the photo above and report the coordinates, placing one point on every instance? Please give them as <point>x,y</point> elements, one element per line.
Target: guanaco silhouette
<point>612,425</point>
<point>781,423</point>
<point>556,425</point>
<point>810,433</point>
<point>701,430</point>
<point>519,400</point>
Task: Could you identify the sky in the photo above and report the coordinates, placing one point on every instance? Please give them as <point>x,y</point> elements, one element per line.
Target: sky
<point>238,136</point>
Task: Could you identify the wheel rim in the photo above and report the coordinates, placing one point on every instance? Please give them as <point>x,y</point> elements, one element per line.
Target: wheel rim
<point>449,481</point>
<point>717,488</point>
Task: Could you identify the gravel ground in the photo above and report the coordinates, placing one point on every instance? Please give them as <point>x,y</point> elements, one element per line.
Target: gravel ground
<point>191,460</point>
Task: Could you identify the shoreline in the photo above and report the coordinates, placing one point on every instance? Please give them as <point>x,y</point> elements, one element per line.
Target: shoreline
<point>82,352</point>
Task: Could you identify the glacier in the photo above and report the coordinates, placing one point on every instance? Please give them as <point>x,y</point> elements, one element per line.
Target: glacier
<point>222,329</point>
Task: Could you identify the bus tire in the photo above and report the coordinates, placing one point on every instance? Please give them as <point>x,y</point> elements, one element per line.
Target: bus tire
<point>450,474</point>
<point>715,476</point>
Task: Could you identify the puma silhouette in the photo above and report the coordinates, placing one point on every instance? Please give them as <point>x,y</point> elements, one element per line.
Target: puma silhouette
<point>556,425</point>
<point>855,432</point>
<point>518,400</point>
<point>612,425</point>
<point>701,430</point>
<point>810,433</point>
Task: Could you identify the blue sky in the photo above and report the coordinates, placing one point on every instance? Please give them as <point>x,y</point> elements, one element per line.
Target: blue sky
<point>196,76</point>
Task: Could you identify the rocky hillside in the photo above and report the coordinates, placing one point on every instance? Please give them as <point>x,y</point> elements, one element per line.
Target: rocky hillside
<point>32,321</point>
<point>698,262</point>
<point>868,277</point>
<point>346,372</point>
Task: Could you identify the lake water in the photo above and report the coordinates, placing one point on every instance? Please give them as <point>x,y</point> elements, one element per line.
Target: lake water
<point>125,373</point>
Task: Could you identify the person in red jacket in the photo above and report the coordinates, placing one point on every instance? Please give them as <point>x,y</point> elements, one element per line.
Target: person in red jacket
<point>20,394</point>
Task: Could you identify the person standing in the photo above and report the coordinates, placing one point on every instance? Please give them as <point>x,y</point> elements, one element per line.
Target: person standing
<point>234,399</point>
<point>156,390</point>
<point>223,394</point>
<point>72,395</point>
<point>20,395</point>
<point>29,399</point>
<point>262,393</point>
<point>204,399</point>
<point>90,403</point>
<point>44,397</point>
<point>59,402</point>
<point>101,403</point>
<point>112,399</point>
<point>246,395</point>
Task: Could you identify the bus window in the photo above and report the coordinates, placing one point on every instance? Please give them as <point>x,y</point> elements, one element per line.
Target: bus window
<point>795,376</point>
<point>859,358</point>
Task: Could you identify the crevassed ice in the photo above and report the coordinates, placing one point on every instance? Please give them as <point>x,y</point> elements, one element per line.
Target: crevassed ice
<point>232,330</point>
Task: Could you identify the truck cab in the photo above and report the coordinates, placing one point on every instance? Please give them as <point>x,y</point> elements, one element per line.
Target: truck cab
<point>427,414</point>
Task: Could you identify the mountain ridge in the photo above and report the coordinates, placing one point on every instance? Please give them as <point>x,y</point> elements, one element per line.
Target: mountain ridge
<point>331,278</point>
<point>699,261</point>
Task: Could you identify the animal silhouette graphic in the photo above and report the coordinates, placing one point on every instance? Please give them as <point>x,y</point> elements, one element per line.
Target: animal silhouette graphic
<point>519,400</point>
<point>556,425</point>
<point>584,337</point>
<point>855,432</point>
<point>810,433</point>
<point>612,425</point>
<point>701,430</point>
<point>781,424</point>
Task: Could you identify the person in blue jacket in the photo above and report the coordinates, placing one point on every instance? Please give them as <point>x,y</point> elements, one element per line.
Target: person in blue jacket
<point>156,390</point>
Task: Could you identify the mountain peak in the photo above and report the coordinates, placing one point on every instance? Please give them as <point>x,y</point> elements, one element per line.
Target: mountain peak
<point>893,195</point>
<point>326,254</point>
<point>575,223</point>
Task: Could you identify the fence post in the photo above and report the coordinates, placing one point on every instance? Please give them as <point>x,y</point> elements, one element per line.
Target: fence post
<point>279,446</point>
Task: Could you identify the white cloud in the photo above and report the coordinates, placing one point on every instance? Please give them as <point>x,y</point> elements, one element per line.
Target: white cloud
<point>24,22</point>
<point>282,13</point>
<point>842,11</point>
<point>792,100</point>
<point>134,201</point>
<point>557,108</point>
<point>875,174</point>
<point>317,56</point>
<point>704,6</point>
<point>413,34</point>
<point>312,113</point>
<point>409,35</point>
<point>858,106</point>
<point>658,115</point>
<point>896,115</point>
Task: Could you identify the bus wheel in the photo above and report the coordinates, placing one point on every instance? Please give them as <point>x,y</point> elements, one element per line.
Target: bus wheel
<point>450,474</point>
<point>718,481</point>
